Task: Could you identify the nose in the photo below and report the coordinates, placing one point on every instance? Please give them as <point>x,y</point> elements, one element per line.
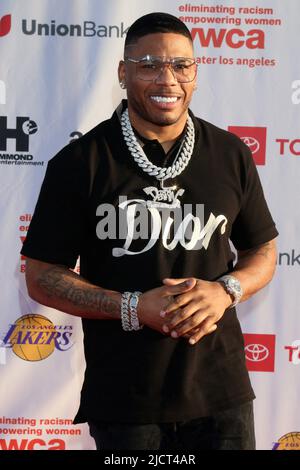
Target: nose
<point>166,75</point>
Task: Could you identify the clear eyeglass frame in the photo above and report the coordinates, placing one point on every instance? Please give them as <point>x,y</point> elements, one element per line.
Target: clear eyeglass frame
<point>148,68</point>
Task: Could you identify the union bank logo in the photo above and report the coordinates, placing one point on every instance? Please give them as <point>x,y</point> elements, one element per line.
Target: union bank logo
<point>255,138</point>
<point>83,28</point>
<point>5,25</point>
<point>260,352</point>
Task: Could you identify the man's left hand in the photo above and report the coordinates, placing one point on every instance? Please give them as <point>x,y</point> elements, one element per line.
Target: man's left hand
<point>201,308</point>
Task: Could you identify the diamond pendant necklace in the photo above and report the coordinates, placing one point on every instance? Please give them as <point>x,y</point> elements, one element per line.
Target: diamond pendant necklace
<point>160,173</point>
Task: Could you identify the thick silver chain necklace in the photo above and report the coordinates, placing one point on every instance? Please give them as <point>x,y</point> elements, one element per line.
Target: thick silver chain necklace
<point>160,173</point>
<point>182,158</point>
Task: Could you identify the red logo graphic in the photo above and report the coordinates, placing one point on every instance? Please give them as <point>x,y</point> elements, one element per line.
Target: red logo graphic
<point>292,145</point>
<point>294,352</point>
<point>255,138</point>
<point>5,25</point>
<point>234,38</point>
<point>32,444</point>
<point>260,352</point>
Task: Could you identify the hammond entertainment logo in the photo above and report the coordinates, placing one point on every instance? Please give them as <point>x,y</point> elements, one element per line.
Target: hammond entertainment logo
<point>80,29</point>
<point>14,141</point>
<point>34,337</point>
<point>255,138</point>
<point>260,352</point>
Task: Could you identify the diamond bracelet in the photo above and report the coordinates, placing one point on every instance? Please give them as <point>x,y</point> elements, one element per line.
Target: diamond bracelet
<point>129,317</point>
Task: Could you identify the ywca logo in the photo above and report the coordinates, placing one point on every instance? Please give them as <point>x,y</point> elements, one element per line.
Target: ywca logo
<point>5,25</point>
<point>234,37</point>
<point>24,128</point>
<point>260,352</point>
<point>255,138</point>
<point>34,337</point>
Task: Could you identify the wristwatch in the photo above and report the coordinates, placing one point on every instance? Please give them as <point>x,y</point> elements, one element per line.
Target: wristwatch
<point>233,287</point>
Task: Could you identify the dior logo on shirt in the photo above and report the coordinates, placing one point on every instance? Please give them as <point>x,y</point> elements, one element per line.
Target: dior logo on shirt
<point>152,221</point>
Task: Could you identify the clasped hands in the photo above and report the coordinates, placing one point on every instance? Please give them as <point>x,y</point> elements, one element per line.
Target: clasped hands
<point>190,308</point>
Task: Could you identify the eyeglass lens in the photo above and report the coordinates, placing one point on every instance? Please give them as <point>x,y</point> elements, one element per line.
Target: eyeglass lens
<point>183,70</point>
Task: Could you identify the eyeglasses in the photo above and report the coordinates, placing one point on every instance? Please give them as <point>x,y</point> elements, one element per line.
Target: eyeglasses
<point>149,68</point>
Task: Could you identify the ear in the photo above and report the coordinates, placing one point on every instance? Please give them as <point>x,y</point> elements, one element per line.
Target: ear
<point>122,72</point>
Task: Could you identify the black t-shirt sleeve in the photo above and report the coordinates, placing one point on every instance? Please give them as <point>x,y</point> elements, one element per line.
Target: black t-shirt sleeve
<point>254,224</point>
<point>56,231</point>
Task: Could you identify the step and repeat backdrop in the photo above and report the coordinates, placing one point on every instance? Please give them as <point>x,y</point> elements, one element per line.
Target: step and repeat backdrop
<point>58,79</point>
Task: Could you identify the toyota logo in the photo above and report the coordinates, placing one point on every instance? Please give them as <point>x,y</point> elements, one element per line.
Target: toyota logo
<point>252,143</point>
<point>256,352</point>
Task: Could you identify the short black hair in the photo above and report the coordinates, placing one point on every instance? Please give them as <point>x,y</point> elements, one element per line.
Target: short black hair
<point>156,22</point>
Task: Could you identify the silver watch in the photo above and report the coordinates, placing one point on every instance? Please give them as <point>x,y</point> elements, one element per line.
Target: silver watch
<point>232,286</point>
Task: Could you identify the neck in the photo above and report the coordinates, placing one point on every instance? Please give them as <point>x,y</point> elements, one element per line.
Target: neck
<point>166,135</point>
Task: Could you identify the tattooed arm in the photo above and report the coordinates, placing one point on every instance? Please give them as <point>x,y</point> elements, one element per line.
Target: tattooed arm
<point>255,268</point>
<point>58,287</point>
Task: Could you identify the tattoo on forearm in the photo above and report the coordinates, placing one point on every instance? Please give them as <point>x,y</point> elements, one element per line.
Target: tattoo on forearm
<point>56,282</point>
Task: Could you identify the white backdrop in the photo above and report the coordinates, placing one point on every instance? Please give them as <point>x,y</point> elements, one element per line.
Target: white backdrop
<point>58,76</point>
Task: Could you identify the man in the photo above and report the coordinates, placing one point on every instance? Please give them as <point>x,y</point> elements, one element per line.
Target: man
<point>149,200</point>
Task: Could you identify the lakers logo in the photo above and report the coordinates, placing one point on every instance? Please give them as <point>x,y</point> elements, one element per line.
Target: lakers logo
<point>27,342</point>
<point>34,337</point>
<point>290,441</point>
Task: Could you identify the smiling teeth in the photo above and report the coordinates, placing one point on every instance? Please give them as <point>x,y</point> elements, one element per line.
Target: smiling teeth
<point>164,99</point>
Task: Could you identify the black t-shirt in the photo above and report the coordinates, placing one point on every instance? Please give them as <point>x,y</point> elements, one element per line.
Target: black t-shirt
<point>145,376</point>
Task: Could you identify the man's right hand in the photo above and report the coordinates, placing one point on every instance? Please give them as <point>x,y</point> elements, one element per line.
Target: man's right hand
<point>152,302</point>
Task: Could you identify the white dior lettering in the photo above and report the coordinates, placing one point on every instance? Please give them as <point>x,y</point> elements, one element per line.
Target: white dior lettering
<point>190,232</point>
